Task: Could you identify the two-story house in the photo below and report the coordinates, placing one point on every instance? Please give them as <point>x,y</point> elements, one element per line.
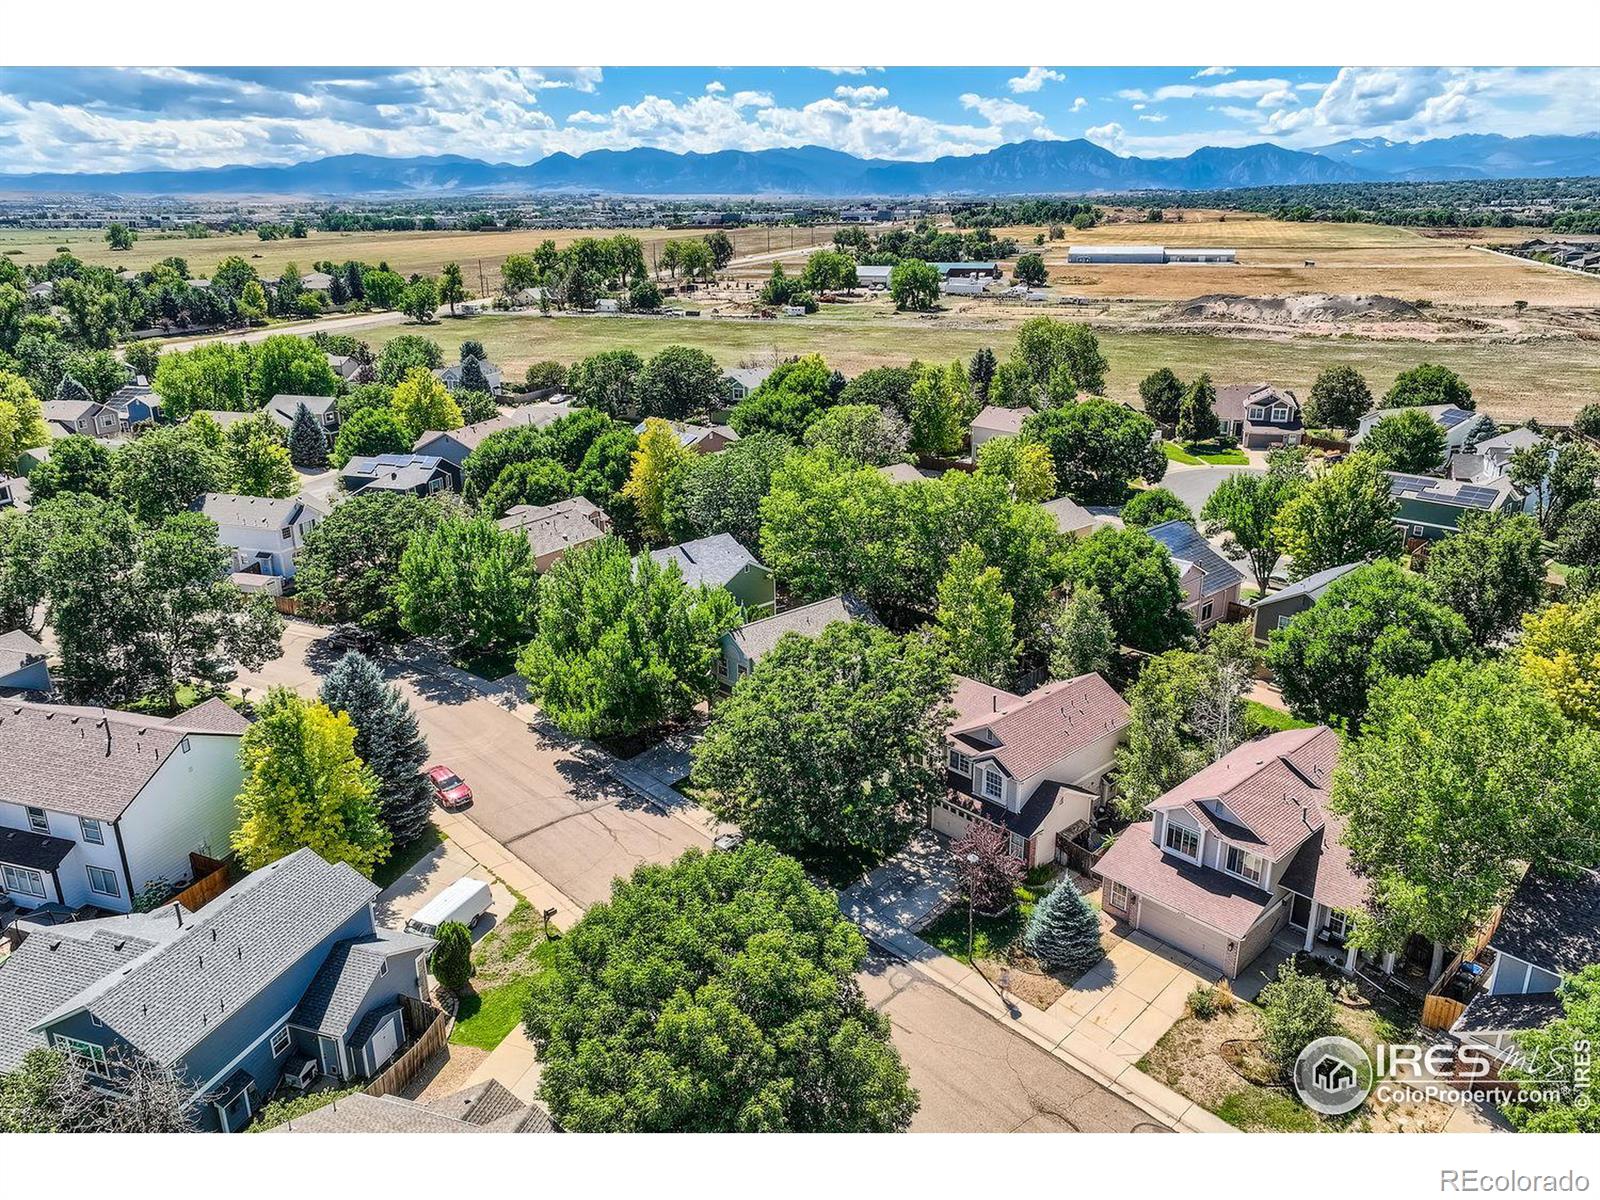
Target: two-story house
<point>1239,851</point>
<point>702,439</point>
<point>451,375</point>
<point>1428,509</point>
<point>419,474</point>
<point>95,805</point>
<point>1548,931</point>
<point>1030,765</point>
<point>454,445</point>
<point>286,966</point>
<point>324,409</point>
<point>264,534</point>
<point>1460,425</point>
<point>553,529</point>
<point>1260,416</point>
<point>1275,610</point>
<point>1211,584</point>
<point>742,648</point>
<point>720,561</point>
<point>88,418</point>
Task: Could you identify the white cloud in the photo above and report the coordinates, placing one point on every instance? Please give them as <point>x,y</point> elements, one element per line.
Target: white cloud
<point>1079,104</point>
<point>1035,79</point>
<point>584,117</point>
<point>1110,135</point>
<point>844,70</point>
<point>716,85</point>
<point>1210,71</point>
<point>865,94</point>
<point>751,100</point>
<point>1000,112</point>
<point>1155,117</point>
<point>1232,89</point>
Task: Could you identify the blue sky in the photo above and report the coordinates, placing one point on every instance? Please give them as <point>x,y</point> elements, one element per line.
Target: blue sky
<point>102,119</point>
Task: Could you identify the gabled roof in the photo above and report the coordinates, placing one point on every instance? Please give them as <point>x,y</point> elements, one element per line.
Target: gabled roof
<point>284,407</point>
<point>471,436</point>
<point>1235,400</point>
<point>68,411</point>
<point>17,650</point>
<point>1311,585</point>
<point>1183,542</point>
<point>38,851</point>
<point>1447,415</point>
<point>1504,1013</point>
<point>165,1002</point>
<point>334,998</point>
<point>1029,733</point>
<point>903,472</point>
<point>715,561</point>
<point>487,1107</point>
<point>1213,897</point>
<point>559,526</point>
<point>750,377</point>
<point>1069,515</point>
<point>758,637</point>
<point>90,762</point>
<point>1000,419</point>
<point>690,435</point>
<point>1276,788</point>
<point>1485,497</point>
<point>1552,922</point>
<point>252,512</point>
<point>399,472</point>
<point>1520,438</point>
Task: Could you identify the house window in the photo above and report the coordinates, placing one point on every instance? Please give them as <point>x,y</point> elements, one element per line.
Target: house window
<point>90,1057</point>
<point>1338,922</point>
<point>994,785</point>
<point>1119,898</point>
<point>184,745</point>
<point>280,1042</point>
<point>1416,531</point>
<point>23,881</point>
<point>1283,622</point>
<point>1184,841</point>
<point>1205,611</point>
<point>1280,414</point>
<point>92,833</point>
<point>102,882</point>
<point>959,762</point>
<point>1245,865</point>
<point>37,821</point>
<point>286,533</point>
<point>1018,846</point>
<point>1258,414</point>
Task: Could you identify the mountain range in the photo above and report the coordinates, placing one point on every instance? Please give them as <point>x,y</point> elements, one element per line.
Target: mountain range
<point>1030,167</point>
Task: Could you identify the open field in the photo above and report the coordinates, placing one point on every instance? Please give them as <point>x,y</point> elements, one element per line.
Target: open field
<point>406,252</point>
<point>1440,266</point>
<point>1548,378</point>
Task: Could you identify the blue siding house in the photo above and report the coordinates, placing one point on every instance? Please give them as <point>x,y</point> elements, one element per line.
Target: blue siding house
<point>286,966</point>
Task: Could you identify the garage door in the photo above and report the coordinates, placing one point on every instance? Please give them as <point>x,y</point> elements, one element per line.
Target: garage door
<point>384,1041</point>
<point>1207,944</point>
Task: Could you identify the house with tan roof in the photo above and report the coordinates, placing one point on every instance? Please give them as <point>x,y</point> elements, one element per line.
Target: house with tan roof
<point>1241,853</point>
<point>996,421</point>
<point>95,804</point>
<point>1031,766</point>
<point>553,529</point>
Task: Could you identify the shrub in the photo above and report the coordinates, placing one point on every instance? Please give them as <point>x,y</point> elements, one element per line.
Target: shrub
<point>452,956</point>
<point>1297,1009</point>
<point>1202,1002</point>
<point>1064,932</point>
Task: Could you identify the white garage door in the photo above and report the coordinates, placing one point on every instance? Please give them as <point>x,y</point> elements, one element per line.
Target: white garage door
<point>384,1041</point>
<point>1207,944</point>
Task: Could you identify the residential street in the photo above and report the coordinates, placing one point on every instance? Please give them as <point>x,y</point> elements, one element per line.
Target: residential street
<point>976,1076</point>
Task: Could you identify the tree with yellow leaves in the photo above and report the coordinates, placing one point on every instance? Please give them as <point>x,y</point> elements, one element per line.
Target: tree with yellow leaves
<point>1560,654</point>
<point>659,456</point>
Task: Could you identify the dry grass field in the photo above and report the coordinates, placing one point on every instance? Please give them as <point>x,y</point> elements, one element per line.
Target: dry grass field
<point>406,252</point>
<point>1548,378</point>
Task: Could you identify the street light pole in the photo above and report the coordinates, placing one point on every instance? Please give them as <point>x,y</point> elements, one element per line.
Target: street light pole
<point>972,861</point>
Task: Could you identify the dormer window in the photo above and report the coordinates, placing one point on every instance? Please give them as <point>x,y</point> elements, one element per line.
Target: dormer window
<point>1245,865</point>
<point>1258,414</point>
<point>994,785</point>
<point>1280,413</point>
<point>1181,840</point>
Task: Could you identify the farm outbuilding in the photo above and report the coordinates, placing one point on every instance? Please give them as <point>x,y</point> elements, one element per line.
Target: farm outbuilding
<point>1148,254</point>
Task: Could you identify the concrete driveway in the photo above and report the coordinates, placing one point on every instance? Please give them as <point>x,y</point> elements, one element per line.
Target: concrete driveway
<point>976,1076</point>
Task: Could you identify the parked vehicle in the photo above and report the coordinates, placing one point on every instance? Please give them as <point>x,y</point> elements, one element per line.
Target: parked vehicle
<point>465,900</point>
<point>448,788</point>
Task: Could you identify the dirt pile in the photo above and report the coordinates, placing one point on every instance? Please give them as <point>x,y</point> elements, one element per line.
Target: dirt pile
<point>1314,308</point>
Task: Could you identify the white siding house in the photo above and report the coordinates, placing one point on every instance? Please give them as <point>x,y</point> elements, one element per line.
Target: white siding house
<point>264,534</point>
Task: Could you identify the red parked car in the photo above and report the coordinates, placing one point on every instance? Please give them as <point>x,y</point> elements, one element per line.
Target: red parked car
<point>448,788</point>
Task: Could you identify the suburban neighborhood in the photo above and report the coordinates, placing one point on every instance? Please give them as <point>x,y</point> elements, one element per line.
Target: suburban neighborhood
<point>416,725</point>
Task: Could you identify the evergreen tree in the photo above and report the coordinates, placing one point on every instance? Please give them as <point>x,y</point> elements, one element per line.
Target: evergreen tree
<point>1197,416</point>
<point>308,445</point>
<point>388,740</point>
<point>472,378</point>
<point>981,373</point>
<point>70,390</point>
<point>1064,932</point>
<point>452,956</point>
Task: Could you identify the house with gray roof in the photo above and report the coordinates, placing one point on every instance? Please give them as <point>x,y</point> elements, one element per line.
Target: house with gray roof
<point>325,409</point>
<point>487,1107</point>
<point>1429,508</point>
<point>1071,518</point>
<point>286,966</point>
<point>720,561</point>
<point>1259,416</point>
<point>1276,610</point>
<point>14,493</point>
<point>1210,582</point>
<point>742,648</point>
<point>741,381</point>
<point>1460,425</point>
<point>451,375</point>
<point>1240,854</point>
<point>553,529</point>
<point>997,421</point>
<point>1548,931</point>
<point>454,445</point>
<point>88,418</point>
<point>22,664</point>
<point>419,474</point>
<point>103,805</point>
<point>264,533</point>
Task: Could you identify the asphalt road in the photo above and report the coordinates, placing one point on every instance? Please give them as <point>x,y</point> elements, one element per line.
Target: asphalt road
<point>1194,485</point>
<point>533,791</point>
<point>976,1076</point>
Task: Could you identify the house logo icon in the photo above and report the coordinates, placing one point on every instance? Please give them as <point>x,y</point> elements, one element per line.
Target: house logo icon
<point>1333,1075</point>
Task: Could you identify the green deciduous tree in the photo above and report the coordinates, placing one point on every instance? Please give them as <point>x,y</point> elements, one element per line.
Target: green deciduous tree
<point>722,493</point>
<point>1026,467</point>
<point>76,464</point>
<point>1343,515</point>
<point>388,739</point>
<point>1138,584</point>
<point>715,994</point>
<point>1377,622</point>
<point>1063,932</point>
<point>1339,398</point>
<point>608,381</point>
<point>860,433</point>
<point>349,567</point>
<point>1246,508</point>
<point>1097,448</point>
<point>1153,506</point>
<point>1428,383</point>
<point>1296,1010</point>
<point>1558,475</point>
<point>659,456</point>
<point>371,431</point>
<point>975,619</point>
<point>1560,655</point>
<point>469,583</point>
<point>1491,572</point>
<point>287,365</point>
<point>304,786</point>
<point>167,469</point>
<point>215,376</point>
<point>22,424</point>
<point>788,400</point>
<point>1030,269</point>
<point>914,286</point>
<point>404,354</point>
<point>942,408</point>
<point>422,403</point>
<point>452,289</point>
<point>789,754</point>
<point>1409,441</point>
<point>1079,637</point>
<point>678,382</point>
<point>622,646</point>
<point>258,464</point>
<point>1059,359</point>
<point>1559,1095</point>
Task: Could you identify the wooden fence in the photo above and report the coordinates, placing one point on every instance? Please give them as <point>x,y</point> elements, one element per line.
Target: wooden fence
<point>211,879</point>
<point>1439,1011</point>
<point>434,1029</point>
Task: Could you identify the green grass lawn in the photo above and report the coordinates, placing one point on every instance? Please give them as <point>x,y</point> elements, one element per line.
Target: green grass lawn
<point>991,936</point>
<point>1207,454</point>
<point>485,1018</point>
<point>1259,718</point>
<point>505,962</point>
<point>1259,1109</point>
<point>403,858</point>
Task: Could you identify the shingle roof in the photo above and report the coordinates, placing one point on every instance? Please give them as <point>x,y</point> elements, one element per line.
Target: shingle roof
<point>750,377</point>
<point>38,851</point>
<point>214,716</point>
<point>1235,400</point>
<point>166,1001</point>
<point>1001,419</point>
<point>1183,541</point>
<point>1212,897</point>
<point>17,649</point>
<point>250,512</point>
<point>536,416</point>
<point>1500,1014</point>
<point>1552,922</point>
<point>758,637</point>
<point>714,561</point>
<point>90,762</point>
<point>285,406</point>
<point>973,698</point>
<point>1447,415</point>
<point>1453,492</point>
<point>70,411</point>
<point>53,964</point>
<point>1045,726</point>
<point>483,1108</point>
<point>392,471</point>
<point>901,472</point>
<point>1311,585</point>
<point>347,975</point>
<point>368,1025</point>
<point>558,526</point>
<point>1276,787</point>
<point>1025,821</point>
<point>1069,515</point>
